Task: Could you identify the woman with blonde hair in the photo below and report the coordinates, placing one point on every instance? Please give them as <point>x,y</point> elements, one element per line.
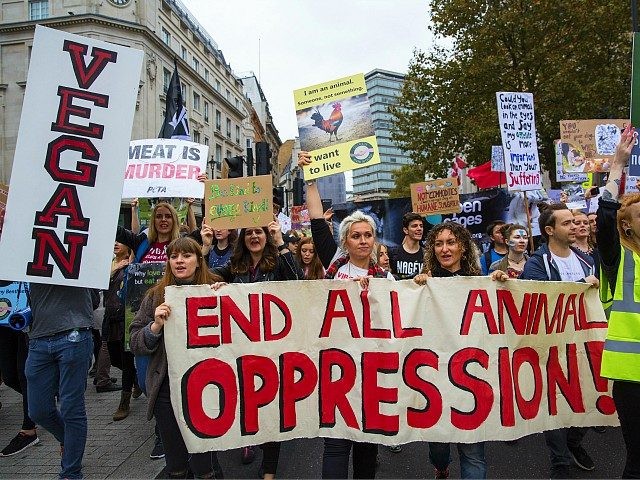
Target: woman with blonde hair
<point>618,237</point>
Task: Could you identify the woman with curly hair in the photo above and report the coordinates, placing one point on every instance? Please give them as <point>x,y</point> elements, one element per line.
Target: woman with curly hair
<point>309,261</point>
<point>449,252</point>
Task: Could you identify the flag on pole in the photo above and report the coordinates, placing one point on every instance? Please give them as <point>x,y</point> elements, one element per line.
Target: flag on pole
<point>457,165</point>
<point>176,124</point>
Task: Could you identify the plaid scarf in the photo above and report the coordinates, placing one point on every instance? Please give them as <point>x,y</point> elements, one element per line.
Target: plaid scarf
<point>374,269</point>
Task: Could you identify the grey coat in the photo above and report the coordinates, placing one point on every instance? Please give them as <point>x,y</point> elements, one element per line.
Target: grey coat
<point>145,342</point>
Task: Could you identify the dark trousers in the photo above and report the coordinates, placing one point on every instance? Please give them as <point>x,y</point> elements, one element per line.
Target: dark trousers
<point>270,456</point>
<point>178,459</point>
<point>14,348</point>
<point>626,396</point>
<point>335,459</point>
<point>120,358</point>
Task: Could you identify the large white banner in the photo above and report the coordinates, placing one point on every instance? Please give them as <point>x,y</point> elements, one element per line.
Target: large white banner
<point>160,167</point>
<point>518,129</point>
<point>68,168</point>
<point>458,360</point>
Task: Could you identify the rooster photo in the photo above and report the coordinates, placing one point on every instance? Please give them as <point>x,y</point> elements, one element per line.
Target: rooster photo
<point>334,122</point>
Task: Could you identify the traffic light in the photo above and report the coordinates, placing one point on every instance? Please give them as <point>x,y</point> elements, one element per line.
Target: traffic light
<point>249,162</point>
<point>263,158</point>
<point>235,167</point>
<point>278,195</point>
<point>298,191</point>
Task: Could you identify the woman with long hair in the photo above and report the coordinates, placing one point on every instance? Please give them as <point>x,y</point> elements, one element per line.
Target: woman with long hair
<point>517,239</point>
<point>308,259</point>
<point>618,236</point>
<point>449,251</point>
<point>382,256</point>
<point>185,266</point>
<point>259,255</point>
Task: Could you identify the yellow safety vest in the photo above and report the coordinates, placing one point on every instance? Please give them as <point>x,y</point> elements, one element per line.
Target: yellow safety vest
<point>621,354</point>
<point>606,297</point>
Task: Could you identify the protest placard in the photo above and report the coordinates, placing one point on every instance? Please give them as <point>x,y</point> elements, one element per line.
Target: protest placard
<point>334,123</point>
<point>518,129</point>
<point>160,167</point>
<point>13,298</point>
<point>497,158</point>
<point>238,202</point>
<point>459,360</point>
<point>591,143</point>
<point>68,169</point>
<point>435,196</point>
<point>563,173</point>
<point>140,277</point>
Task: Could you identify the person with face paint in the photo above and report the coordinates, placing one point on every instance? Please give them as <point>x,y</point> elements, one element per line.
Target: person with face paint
<point>517,240</point>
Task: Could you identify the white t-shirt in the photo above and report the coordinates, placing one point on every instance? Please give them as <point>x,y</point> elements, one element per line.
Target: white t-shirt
<point>569,267</point>
<point>349,270</point>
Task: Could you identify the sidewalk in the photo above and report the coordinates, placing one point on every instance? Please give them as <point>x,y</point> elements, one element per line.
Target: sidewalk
<point>114,449</point>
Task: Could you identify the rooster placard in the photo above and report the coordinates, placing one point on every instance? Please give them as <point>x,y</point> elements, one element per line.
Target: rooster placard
<point>335,125</point>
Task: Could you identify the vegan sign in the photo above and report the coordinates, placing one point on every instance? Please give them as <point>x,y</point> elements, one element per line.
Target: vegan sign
<point>590,143</point>
<point>518,130</point>
<point>435,196</point>
<point>238,202</point>
<point>161,167</point>
<point>335,126</point>
<point>458,360</point>
<point>68,170</point>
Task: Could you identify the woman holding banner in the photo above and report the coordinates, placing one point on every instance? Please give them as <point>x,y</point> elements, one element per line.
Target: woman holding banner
<point>259,255</point>
<point>449,252</point>
<point>353,260</point>
<point>618,236</point>
<point>185,266</point>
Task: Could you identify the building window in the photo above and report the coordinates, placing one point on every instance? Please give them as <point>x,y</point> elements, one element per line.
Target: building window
<point>183,89</point>
<point>206,111</point>
<point>228,128</point>
<point>196,136</point>
<point>206,141</point>
<point>196,64</point>
<point>206,75</point>
<point>228,95</point>
<point>38,9</point>
<point>183,53</point>
<point>217,84</point>
<point>166,79</point>
<point>228,154</point>
<point>166,37</point>
<point>218,120</point>
<point>237,103</point>
<point>237,134</point>
<point>218,155</point>
<point>196,101</point>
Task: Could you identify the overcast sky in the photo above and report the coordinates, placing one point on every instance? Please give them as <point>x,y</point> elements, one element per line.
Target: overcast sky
<point>304,42</point>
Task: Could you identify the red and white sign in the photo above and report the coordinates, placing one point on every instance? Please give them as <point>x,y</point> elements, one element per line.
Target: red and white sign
<point>458,360</point>
<point>160,167</point>
<point>69,163</point>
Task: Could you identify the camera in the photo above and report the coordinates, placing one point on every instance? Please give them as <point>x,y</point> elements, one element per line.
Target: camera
<point>21,319</point>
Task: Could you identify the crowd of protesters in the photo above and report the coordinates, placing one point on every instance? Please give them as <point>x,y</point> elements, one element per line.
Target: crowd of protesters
<point>49,366</point>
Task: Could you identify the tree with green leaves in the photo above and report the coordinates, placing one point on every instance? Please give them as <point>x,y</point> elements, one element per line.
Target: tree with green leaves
<point>575,57</point>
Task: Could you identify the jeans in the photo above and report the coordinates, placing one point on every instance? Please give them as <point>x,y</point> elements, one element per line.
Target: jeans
<point>141,364</point>
<point>559,441</point>
<point>177,457</point>
<point>13,355</point>
<point>626,396</point>
<point>59,364</point>
<point>472,460</point>
<point>335,459</point>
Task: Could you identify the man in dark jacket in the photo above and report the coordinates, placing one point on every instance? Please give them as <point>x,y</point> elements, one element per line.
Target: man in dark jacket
<point>555,261</point>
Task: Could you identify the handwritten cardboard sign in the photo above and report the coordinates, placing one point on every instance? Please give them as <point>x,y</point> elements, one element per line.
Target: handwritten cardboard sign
<point>461,359</point>
<point>518,130</point>
<point>435,196</point>
<point>563,171</point>
<point>68,169</point>
<point>238,202</point>
<point>591,143</point>
<point>497,158</point>
<point>335,126</point>
<point>160,167</point>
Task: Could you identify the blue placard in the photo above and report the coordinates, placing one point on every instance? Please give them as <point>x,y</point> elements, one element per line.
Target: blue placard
<point>634,160</point>
<point>9,301</point>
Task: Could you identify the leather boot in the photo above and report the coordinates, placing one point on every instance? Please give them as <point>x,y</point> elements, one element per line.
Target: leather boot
<point>123,408</point>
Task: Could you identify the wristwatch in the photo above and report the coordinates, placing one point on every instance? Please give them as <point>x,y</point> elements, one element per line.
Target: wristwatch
<point>310,182</point>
